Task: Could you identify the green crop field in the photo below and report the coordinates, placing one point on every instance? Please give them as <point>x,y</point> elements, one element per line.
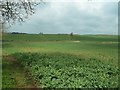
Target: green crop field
<point>60,60</point>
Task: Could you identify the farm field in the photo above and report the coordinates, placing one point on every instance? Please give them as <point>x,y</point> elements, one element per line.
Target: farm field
<point>61,60</point>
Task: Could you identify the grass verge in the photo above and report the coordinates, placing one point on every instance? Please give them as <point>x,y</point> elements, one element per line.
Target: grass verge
<point>14,75</point>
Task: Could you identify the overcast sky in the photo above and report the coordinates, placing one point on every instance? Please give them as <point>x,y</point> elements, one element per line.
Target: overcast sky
<point>78,17</point>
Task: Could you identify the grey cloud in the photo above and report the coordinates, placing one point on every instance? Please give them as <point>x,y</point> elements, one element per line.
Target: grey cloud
<point>71,19</point>
<point>111,8</point>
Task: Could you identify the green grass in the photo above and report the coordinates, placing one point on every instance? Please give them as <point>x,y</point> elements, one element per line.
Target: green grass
<point>57,37</point>
<point>14,75</point>
<point>103,49</point>
<point>8,79</point>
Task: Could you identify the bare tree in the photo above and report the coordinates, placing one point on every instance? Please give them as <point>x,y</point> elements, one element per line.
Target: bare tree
<point>16,11</point>
<point>12,11</point>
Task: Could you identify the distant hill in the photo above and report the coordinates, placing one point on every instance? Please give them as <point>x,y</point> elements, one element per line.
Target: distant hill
<point>58,37</point>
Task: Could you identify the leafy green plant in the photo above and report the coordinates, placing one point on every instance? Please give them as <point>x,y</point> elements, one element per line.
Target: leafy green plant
<point>57,70</point>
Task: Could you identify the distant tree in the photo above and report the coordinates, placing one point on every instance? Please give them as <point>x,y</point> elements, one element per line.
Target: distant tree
<point>41,33</point>
<point>71,34</point>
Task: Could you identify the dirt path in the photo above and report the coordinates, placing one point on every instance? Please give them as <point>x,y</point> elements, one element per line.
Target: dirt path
<point>17,75</point>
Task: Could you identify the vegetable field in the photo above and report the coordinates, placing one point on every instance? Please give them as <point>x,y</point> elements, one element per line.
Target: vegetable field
<point>62,71</point>
<point>64,61</point>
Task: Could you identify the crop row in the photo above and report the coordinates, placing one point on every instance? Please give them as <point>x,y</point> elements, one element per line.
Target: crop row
<point>56,70</point>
